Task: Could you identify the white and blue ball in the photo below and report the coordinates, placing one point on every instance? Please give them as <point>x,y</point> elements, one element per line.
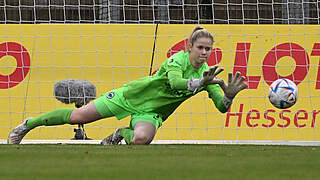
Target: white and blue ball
<point>283,93</point>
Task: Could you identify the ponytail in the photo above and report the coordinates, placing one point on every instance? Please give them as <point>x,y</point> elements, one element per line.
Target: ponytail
<point>198,32</point>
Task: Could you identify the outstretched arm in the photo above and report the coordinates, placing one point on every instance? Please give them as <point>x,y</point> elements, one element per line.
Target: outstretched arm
<point>216,95</point>
<point>178,82</point>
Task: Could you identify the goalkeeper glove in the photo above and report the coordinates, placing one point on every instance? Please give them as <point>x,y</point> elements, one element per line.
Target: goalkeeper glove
<point>207,78</point>
<point>235,85</point>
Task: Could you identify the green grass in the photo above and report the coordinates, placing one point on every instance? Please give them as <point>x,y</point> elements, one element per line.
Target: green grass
<point>196,162</point>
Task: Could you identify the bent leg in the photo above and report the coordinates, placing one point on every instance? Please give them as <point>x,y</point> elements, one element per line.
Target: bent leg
<point>143,133</point>
<point>143,128</point>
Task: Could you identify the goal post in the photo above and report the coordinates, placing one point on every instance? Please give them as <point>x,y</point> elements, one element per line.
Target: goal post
<point>110,43</point>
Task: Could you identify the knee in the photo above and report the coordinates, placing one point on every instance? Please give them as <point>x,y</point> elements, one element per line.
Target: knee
<point>142,138</point>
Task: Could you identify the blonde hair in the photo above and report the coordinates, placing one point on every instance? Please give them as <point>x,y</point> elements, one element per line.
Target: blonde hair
<point>198,32</point>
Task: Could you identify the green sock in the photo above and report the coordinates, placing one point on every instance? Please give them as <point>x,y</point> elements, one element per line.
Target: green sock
<point>127,134</point>
<point>56,117</point>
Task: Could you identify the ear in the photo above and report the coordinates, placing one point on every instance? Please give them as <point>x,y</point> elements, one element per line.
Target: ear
<point>189,46</point>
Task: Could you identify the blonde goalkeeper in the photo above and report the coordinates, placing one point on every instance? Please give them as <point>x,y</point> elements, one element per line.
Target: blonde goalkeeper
<point>152,99</point>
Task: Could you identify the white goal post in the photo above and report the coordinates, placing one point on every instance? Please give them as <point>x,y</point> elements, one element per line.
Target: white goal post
<point>110,43</point>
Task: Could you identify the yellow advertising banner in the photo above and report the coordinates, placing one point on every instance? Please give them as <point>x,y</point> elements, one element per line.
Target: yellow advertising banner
<point>34,57</point>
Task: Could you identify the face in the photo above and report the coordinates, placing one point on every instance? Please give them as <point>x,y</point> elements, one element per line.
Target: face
<point>200,51</point>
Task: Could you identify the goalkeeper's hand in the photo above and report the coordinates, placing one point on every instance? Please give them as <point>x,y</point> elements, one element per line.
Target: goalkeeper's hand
<point>235,85</point>
<point>207,78</point>
<point>209,75</point>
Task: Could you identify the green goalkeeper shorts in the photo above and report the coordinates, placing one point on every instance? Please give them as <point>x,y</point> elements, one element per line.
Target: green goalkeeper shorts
<point>115,103</point>
<point>152,118</point>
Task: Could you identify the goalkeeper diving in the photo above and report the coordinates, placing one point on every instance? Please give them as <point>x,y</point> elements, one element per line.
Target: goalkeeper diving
<point>152,99</point>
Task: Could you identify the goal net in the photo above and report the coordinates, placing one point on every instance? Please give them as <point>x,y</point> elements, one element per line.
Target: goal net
<point>110,43</point>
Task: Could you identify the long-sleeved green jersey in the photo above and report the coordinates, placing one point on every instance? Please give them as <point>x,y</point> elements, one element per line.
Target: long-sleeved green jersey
<point>155,93</point>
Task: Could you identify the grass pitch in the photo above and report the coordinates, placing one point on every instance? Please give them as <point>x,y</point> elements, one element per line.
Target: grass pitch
<point>158,162</point>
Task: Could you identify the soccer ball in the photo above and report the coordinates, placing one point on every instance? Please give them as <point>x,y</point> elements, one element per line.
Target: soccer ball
<point>283,93</point>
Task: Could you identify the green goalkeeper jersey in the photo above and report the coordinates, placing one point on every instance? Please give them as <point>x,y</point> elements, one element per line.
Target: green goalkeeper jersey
<point>154,93</point>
